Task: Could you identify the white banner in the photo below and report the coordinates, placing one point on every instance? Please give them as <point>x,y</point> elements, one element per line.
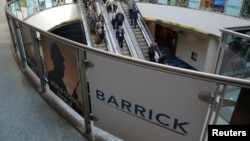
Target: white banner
<point>136,103</point>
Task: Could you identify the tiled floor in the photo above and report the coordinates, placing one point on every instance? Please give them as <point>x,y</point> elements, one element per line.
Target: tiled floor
<point>26,115</point>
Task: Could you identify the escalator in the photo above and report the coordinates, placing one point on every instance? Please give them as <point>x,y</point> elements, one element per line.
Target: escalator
<point>110,32</point>
<point>126,51</point>
<point>142,34</point>
<point>129,44</point>
<point>130,38</point>
<point>87,20</point>
<point>138,34</point>
<point>89,13</point>
<point>110,42</point>
<point>79,31</point>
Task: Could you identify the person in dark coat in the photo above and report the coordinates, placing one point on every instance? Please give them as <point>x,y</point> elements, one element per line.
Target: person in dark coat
<point>151,53</point>
<point>120,36</point>
<point>135,16</point>
<point>130,8</point>
<point>119,18</point>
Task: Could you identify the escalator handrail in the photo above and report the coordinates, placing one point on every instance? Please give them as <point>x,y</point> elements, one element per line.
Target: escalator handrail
<point>109,42</point>
<point>148,37</point>
<point>85,26</point>
<point>109,30</point>
<point>130,38</point>
<point>147,34</point>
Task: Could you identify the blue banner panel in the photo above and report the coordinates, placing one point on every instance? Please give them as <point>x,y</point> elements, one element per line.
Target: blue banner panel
<point>219,5</point>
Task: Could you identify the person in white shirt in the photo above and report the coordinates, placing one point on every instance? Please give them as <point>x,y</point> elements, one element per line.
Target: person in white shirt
<point>112,15</point>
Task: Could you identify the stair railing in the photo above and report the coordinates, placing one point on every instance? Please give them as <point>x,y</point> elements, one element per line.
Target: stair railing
<point>147,34</point>
<point>85,26</point>
<point>109,30</point>
<point>130,38</point>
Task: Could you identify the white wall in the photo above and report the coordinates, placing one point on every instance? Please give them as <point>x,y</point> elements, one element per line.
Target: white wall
<point>188,43</point>
<point>205,47</point>
<point>212,53</point>
<point>49,18</point>
<point>205,21</point>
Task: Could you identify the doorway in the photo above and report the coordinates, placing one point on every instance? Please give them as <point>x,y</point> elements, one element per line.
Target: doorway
<point>166,38</point>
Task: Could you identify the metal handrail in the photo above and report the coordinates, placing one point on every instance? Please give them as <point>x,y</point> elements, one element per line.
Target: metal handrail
<point>131,39</point>
<point>179,72</point>
<point>154,66</point>
<point>226,30</point>
<point>108,36</point>
<point>85,26</point>
<point>110,33</point>
<point>147,34</point>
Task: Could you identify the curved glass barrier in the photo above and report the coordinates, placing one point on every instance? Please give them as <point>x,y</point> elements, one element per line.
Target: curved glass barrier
<point>105,88</point>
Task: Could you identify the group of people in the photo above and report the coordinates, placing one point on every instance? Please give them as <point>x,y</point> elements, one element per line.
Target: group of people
<point>116,18</point>
<point>117,23</point>
<point>96,23</point>
<point>100,31</point>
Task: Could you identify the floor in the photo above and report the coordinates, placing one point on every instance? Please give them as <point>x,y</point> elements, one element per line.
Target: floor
<point>24,114</point>
<point>171,60</point>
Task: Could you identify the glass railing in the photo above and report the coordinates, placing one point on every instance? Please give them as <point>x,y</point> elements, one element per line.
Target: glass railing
<point>238,8</point>
<point>77,73</point>
<point>23,9</point>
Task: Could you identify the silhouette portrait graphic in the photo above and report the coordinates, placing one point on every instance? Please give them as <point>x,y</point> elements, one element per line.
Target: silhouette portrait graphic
<point>55,76</point>
<point>55,79</point>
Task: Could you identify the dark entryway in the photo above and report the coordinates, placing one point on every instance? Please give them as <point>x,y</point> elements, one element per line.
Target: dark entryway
<point>166,38</point>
